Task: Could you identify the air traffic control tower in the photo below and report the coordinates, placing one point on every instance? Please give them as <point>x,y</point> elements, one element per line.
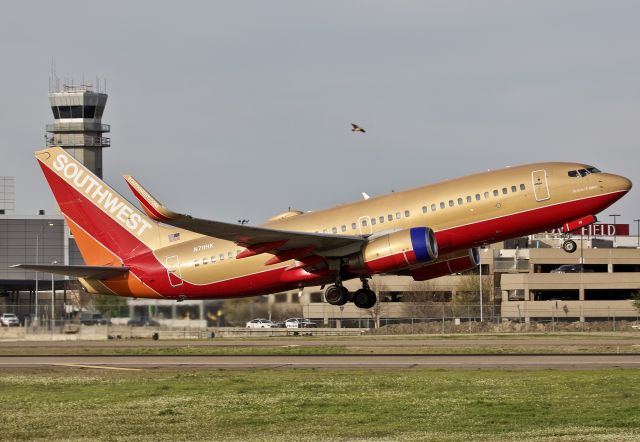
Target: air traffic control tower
<point>78,127</point>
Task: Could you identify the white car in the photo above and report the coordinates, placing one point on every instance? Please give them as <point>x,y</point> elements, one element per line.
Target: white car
<point>9,320</point>
<point>261,323</point>
<point>299,323</point>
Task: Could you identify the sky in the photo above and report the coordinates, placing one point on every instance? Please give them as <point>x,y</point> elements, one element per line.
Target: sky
<point>242,109</point>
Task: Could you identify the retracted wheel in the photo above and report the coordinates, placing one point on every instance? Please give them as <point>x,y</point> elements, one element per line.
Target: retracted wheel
<point>336,295</point>
<point>569,246</point>
<point>364,298</point>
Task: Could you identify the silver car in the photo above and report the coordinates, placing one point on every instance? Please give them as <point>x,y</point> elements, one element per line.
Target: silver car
<point>9,320</point>
<point>261,323</point>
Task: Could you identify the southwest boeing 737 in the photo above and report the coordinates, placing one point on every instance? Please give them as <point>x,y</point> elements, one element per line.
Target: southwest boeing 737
<point>424,233</point>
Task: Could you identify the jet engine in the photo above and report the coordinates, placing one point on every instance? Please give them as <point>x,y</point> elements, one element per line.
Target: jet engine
<point>396,250</point>
<point>453,263</point>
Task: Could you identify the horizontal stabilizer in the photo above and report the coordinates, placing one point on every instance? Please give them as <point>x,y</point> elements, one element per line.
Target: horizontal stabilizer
<point>91,272</point>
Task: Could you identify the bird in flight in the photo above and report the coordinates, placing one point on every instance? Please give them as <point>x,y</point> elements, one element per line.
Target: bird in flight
<point>356,128</point>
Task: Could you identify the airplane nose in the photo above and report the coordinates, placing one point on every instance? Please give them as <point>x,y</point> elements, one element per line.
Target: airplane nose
<point>625,183</point>
<point>621,183</point>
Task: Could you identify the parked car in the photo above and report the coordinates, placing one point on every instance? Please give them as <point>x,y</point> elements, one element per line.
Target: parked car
<point>9,320</point>
<point>94,319</point>
<point>142,321</point>
<point>299,323</point>
<point>570,268</point>
<point>261,323</point>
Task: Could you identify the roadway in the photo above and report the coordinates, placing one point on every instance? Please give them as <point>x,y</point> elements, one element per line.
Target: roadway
<point>138,362</point>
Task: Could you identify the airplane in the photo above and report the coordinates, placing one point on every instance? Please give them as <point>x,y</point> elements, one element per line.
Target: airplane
<point>424,232</point>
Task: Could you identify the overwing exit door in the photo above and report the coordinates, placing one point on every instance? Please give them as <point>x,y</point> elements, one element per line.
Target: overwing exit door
<point>540,185</point>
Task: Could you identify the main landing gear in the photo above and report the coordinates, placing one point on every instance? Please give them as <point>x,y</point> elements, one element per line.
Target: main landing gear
<point>338,295</point>
<point>569,246</point>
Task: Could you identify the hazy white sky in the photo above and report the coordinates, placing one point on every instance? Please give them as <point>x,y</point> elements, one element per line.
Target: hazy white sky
<point>241,109</point>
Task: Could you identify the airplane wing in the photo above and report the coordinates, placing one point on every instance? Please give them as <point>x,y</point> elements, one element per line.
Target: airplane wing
<point>285,244</point>
<point>92,272</point>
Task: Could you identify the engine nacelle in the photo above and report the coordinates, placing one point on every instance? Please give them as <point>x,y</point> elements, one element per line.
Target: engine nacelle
<point>453,263</point>
<point>396,250</point>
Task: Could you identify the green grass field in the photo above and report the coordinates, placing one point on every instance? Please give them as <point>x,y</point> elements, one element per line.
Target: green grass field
<point>300,404</point>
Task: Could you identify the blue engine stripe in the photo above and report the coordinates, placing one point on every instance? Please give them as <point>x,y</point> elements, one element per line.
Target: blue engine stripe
<point>419,243</point>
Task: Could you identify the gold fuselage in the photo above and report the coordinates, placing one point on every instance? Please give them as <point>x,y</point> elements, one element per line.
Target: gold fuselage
<point>441,206</point>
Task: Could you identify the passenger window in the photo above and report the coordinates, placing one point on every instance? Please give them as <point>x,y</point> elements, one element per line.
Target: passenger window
<point>343,228</point>
<point>364,223</point>
<point>459,201</point>
<point>222,257</point>
<point>433,207</point>
<point>213,259</point>
<point>495,192</point>
<point>407,214</point>
<point>477,197</point>
<point>334,230</point>
<point>522,187</point>
<point>373,221</point>
<point>196,263</point>
<point>513,188</point>
<point>573,173</point>
<point>442,205</point>
<point>230,255</point>
<point>390,217</point>
<point>353,226</point>
<point>450,203</point>
<point>486,195</point>
<point>504,191</point>
<point>424,209</point>
<point>398,215</point>
<point>205,261</point>
<point>468,198</point>
<point>381,219</point>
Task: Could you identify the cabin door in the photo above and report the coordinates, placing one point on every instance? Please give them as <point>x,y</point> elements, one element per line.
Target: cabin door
<point>540,185</point>
<point>173,271</point>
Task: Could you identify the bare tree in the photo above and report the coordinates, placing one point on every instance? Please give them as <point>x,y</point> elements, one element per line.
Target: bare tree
<point>380,307</point>
<point>422,300</point>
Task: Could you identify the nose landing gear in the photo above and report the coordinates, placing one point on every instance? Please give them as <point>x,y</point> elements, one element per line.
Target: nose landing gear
<point>569,246</point>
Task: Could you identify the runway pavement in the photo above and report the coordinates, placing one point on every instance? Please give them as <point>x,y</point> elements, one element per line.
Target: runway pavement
<point>573,361</point>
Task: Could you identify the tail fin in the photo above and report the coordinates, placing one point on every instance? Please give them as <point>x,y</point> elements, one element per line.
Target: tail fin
<point>107,228</point>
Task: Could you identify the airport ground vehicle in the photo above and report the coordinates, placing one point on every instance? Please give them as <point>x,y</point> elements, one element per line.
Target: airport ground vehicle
<point>94,319</point>
<point>142,321</point>
<point>9,320</point>
<point>261,323</point>
<point>299,323</point>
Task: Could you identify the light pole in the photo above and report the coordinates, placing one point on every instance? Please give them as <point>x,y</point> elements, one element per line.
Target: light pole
<point>53,296</point>
<point>614,216</point>
<point>50,224</point>
<point>480,268</point>
<point>638,230</point>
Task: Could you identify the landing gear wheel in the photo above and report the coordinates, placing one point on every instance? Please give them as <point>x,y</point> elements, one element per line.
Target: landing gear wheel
<point>569,246</point>
<point>364,298</point>
<point>336,295</point>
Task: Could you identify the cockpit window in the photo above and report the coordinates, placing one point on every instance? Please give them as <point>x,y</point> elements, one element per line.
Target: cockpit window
<point>573,173</point>
<point>593,169</point>
<point>583,172</point>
